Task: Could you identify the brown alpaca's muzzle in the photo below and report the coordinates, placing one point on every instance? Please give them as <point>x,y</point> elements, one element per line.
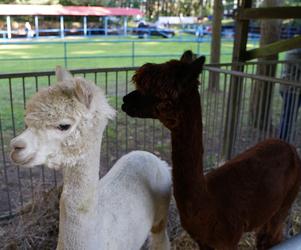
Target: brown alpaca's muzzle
<point>137,105</point>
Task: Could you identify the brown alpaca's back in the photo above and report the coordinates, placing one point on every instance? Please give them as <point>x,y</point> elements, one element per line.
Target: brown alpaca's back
<point>250,193</point>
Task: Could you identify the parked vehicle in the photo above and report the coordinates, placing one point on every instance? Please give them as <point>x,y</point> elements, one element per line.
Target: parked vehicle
<point>145,30</point>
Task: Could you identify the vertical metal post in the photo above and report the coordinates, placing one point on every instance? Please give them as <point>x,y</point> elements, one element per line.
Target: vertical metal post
<point>116,118</point>
<point>12,106</point>
<point>85,26</point>
<point>106,25</point>
<point>133,53</point>
<point>5,169</point>
<point>14,134</point>
<point>198,46</point>
<point>8,27</point>
<point>126,117</point>
<point>107,130</point>
<point>125,25</point>
<point>62,26</point>
<point>36,25</point>
<point>65,54</point>
<point>24,107</point>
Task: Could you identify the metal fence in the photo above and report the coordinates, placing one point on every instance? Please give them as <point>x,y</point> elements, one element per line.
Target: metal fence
<point>34,55</point>
<point>250,106</point>
<point>18,186</point>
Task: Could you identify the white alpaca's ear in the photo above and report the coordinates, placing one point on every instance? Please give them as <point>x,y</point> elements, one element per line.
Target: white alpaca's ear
<point>83,91</point>
<point>62,74</point>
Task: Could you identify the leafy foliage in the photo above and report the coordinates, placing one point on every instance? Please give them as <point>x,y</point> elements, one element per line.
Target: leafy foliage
<point>29,1</point>
<point>154,8</point>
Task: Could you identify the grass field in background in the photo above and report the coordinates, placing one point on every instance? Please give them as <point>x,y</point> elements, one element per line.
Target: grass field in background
<point>44,54</point>
<point>38,55</point>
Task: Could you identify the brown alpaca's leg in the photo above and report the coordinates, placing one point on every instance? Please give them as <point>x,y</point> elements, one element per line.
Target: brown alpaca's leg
<point>202,246</point>
<point>272,233</point>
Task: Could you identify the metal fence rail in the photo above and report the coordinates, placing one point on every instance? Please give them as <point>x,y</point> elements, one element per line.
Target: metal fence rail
<point>18,185</point>
<point>44,55</point>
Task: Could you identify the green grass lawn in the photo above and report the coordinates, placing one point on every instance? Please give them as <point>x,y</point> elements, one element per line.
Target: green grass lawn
<point>99,52</point>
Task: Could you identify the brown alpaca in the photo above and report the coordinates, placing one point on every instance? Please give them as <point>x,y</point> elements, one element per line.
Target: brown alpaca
<point>252,192</point>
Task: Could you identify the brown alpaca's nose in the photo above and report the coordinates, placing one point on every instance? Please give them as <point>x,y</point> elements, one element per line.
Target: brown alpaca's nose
<point>18,145</point>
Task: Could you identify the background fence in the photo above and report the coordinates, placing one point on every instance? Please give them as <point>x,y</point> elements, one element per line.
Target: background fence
<point>37,55</point>
<point>124,134</point>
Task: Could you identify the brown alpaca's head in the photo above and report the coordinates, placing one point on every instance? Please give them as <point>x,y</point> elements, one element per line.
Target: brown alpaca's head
<point>162,88</point>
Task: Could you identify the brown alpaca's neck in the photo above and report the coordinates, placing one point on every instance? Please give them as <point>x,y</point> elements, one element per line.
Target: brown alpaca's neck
<point>187,154</point>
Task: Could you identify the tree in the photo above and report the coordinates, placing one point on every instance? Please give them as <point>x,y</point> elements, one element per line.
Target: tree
<point>216,43</point>
<point>270,31</point>
<point>29,1</point>
<point>84,2</point>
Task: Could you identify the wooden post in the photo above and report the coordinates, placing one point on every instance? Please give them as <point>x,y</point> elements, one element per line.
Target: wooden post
<point>261,95</point>
<point>218,10</point>
<point>274,48</point>
<point>235,89</point>
<point>271,13</point>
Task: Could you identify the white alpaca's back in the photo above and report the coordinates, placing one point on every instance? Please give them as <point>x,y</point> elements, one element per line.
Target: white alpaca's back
<point>134,198</point>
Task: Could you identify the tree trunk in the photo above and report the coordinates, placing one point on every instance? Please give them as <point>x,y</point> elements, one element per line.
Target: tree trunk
<point>261,98</point>
<point>216,43</point>
<point>201,8</point>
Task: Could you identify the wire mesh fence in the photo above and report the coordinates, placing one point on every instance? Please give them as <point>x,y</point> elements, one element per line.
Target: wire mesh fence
<point>233,120</point>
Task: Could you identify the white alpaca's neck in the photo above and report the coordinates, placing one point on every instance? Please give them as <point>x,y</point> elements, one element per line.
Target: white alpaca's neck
<point>78,203</point>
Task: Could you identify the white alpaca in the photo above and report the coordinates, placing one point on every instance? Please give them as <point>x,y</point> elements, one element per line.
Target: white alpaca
<point>65,124</point>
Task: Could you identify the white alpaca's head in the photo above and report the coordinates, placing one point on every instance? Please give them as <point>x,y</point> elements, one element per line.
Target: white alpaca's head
<point>62,121</point>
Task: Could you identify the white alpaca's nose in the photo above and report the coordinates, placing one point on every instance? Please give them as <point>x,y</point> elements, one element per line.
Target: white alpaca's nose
<point>21,150</point>
<point>17,145</point>
<point>25,150</point>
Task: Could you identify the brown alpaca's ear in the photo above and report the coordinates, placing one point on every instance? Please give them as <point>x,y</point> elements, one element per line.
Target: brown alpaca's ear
<point>187,57</point>
<point>198,64</point>
<point>83,91</point>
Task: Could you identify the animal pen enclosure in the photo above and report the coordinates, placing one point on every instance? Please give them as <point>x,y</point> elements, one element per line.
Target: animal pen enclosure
<point>20,186</point>
<point>234,117</point>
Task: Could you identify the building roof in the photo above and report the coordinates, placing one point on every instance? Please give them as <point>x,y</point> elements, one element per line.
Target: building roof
<point>59,10</point>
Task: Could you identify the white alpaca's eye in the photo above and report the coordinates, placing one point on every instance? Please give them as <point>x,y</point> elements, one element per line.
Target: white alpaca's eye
<point>63,127</point>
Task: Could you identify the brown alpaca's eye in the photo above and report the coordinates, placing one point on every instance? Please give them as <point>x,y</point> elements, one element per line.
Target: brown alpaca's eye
<point>63,127</point>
